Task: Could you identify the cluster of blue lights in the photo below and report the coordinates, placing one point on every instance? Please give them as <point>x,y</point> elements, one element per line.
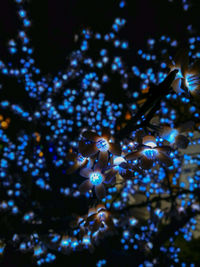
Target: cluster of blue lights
<point>53,131</point>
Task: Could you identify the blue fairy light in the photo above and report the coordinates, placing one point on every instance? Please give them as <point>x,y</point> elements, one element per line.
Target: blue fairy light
<point>192,81</point>
<point>102,145</point>
<point>150,153</point>
<point>96,178</point>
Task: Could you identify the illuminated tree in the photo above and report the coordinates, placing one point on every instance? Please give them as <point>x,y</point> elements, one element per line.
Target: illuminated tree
<point>100,160</point>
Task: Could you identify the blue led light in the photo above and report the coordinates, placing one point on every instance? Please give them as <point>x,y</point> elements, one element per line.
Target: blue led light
<point>96,178</point>
<point>102,145</point>
<point>150,153</point>
<point>192,81</point>
<point>81,159</point>
<point>170,136</point>
<point>38,251</point>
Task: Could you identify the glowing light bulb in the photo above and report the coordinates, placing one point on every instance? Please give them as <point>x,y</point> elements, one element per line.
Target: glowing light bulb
<point>38,251</point>
<point>81,160</point>
<point>102,216</point>
<point>170,136</point>
<point>96,178</point>
<point>102,145</point>
<point>192,81</point>
<point>150,153</point>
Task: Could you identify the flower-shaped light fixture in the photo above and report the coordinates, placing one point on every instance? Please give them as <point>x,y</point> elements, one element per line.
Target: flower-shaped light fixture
<point>188,76</point>
<point>98,218</point>
<point>77,160</point>
<point>175,136</point>
<point>149,152</point>
<point>93,143</point>
<point>96,178</point>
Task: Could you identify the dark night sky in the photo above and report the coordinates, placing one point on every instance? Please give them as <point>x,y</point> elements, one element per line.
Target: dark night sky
<point>54,24</point>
